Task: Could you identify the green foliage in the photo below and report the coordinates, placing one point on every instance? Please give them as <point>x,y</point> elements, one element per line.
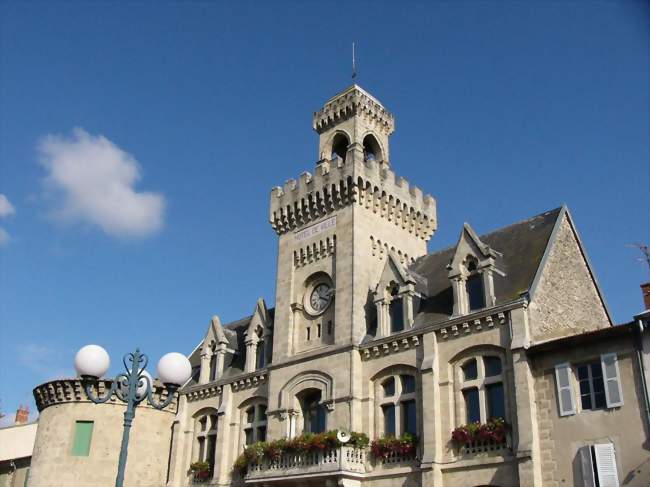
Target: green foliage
<point>200,467</point>
<point>493,431</point>
<point>387,446</point>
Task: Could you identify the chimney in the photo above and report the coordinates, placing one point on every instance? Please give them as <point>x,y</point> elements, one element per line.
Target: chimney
<point>22,415</point>
<point>645,289</point>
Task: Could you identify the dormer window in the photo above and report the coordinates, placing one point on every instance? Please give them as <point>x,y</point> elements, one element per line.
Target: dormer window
<point>395,298</point>
<point>260,352</point>
<point>396,310</point>
<point>474,287</point>
<point>471,272</point>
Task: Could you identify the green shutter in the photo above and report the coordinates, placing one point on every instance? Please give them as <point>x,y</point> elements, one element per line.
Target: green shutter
<point>83,433</point>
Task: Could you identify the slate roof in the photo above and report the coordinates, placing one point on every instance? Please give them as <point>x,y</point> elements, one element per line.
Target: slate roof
<point>521,246</point>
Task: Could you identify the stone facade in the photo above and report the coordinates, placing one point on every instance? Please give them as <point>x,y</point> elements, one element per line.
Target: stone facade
<point>372,334</point>
<point>566,299</point>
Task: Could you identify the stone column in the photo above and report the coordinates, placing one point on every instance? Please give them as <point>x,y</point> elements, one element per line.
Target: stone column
<point>383,327</point>
<point>524,410</point>
<point>227,438</point>
<point>460,296</point>
<point>251,354</point>
<point>204,375</point>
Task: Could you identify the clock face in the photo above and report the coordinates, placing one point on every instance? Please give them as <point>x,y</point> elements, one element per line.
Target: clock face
<point>320,297</point>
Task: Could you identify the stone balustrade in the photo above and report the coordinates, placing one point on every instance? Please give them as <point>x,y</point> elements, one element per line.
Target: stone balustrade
<point>343,460</point>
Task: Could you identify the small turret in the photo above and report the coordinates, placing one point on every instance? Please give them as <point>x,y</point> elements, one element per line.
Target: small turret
<point>353,124</point>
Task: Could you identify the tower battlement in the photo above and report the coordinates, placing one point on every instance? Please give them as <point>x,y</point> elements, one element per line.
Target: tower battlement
<point>335,184</point>
<point>354,101</point>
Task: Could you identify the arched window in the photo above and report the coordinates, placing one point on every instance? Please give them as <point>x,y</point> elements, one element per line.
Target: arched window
<point>206,438</point>
<point>482,388</point>
<point>313,411</point>
<point>474,286</point>
<point>254,423</point>
<point>339,146</point>
<point>398,406</point>
<point>396,310</point>
<point>371,149</point>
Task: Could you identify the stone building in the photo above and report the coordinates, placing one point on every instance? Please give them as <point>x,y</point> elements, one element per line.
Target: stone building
<point>372,334</point>
<point>16,445</point>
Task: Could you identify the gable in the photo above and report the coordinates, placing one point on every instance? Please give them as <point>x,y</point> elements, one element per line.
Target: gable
<point>565,299</point>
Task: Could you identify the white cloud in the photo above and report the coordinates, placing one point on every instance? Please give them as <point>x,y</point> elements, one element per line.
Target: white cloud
<point>44,361</point>
<point>95,180</point>
<point>4,237</point>
<point>6,208</point>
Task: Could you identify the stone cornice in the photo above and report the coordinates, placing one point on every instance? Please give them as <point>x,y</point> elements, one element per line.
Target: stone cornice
<point>62,391</point>
<point>354,101</point>
<point>215,388</point>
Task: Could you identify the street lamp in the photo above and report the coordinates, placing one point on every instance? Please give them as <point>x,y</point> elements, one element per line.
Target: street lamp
<point>132,386</point>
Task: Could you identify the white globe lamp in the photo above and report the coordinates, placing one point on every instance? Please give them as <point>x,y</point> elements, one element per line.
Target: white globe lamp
<point>174,368</point>
<point>92,360</point>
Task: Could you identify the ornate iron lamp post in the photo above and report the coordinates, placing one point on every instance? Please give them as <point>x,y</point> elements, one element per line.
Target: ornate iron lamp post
<point>132,386</point>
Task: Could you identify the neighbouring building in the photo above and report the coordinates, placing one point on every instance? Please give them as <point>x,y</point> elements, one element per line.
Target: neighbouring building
<point>493,362</point>
<point>16,445</point>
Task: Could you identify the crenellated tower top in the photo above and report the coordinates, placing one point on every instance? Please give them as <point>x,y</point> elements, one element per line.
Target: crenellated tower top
<point>353,168</point>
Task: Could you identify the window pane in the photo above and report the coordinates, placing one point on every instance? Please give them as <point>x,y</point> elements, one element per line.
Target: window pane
<point>583,372</point>
<point>599,399</point>
<point>409,419</point>
<point>585,388</point>
<point>212,447</point>
<point>250,415</point>
<point>83,433</point>
<point>260,361</point>
<point>319,427</point>
<point>389,419</point>
<point>201,449</point>
<point>396,312</point>
<point>470,372</point>
<point>213,422</point>
<point>474,286</point>
<point>249,435</point>
<point>261,433</point>
<point>492,366</point>
<point>472,407</point>
<point>389,387</point>
<point>585,400</point>
<point>596,370</point>
<point>261,413</point>
<point>496,406</point>
<point>203,422</point>
<point>408,384</point>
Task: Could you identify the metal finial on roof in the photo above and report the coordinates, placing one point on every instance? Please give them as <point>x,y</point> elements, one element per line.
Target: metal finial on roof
<point>354,64</point>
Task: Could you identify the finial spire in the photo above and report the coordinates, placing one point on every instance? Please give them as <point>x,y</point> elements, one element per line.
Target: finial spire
<point>354,64</point>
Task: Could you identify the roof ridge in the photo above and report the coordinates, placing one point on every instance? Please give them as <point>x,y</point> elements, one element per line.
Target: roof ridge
<point>544,213</point>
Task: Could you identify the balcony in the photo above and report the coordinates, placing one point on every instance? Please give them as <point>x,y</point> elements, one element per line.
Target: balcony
<point>346,460</point>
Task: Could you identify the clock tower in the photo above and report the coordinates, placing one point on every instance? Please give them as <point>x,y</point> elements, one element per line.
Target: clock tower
<point>338,225</point>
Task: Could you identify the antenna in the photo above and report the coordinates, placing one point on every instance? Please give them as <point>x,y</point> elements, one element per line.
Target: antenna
<point>354,64</point>
<point>645,250</point>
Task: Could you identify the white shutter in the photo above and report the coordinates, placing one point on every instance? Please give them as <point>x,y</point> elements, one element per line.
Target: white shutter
<point>606,465</point>
<point>613,391</point>
<point>587,467</point>
<point>564,389</point>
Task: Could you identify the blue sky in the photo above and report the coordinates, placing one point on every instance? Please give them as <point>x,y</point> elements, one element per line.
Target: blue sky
<point>191,112</point>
